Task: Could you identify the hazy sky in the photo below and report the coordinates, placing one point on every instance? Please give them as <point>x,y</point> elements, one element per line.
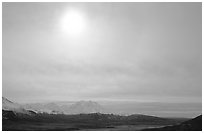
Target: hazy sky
<point>127,51</point>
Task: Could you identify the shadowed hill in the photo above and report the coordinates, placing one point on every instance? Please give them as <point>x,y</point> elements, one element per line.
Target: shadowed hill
<point>190,125</point>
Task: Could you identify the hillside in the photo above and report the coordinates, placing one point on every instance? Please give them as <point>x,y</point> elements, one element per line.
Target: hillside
<point>194,124</point>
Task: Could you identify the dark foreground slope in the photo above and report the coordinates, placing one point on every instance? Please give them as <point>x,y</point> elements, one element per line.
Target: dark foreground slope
<point>190,125</point>
<point>42,121</point>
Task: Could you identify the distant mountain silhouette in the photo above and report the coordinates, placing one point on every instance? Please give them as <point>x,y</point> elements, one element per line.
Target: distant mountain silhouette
<point>85,107</point>
<point>81,107</point>
<point>190,125</point>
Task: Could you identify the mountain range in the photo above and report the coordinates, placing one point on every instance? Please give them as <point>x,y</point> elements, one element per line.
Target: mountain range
<point>83,115</point>
<point>80,107</point>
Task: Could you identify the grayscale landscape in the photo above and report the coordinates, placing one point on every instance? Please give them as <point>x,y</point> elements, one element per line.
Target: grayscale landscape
<point>101,66</point>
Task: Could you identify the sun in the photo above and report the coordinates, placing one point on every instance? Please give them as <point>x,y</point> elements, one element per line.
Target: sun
<point>73,23</point>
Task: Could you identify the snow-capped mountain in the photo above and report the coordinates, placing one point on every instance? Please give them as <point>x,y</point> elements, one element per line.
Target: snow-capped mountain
<point>51,108</point>
<point>66,108</point>
<point>80,107</point>
<point>11,106</point>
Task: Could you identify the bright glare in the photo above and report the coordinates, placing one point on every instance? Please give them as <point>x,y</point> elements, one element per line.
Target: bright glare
<point>73,23</point>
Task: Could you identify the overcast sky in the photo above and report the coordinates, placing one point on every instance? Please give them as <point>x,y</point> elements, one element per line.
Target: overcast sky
<point>127,51</point>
